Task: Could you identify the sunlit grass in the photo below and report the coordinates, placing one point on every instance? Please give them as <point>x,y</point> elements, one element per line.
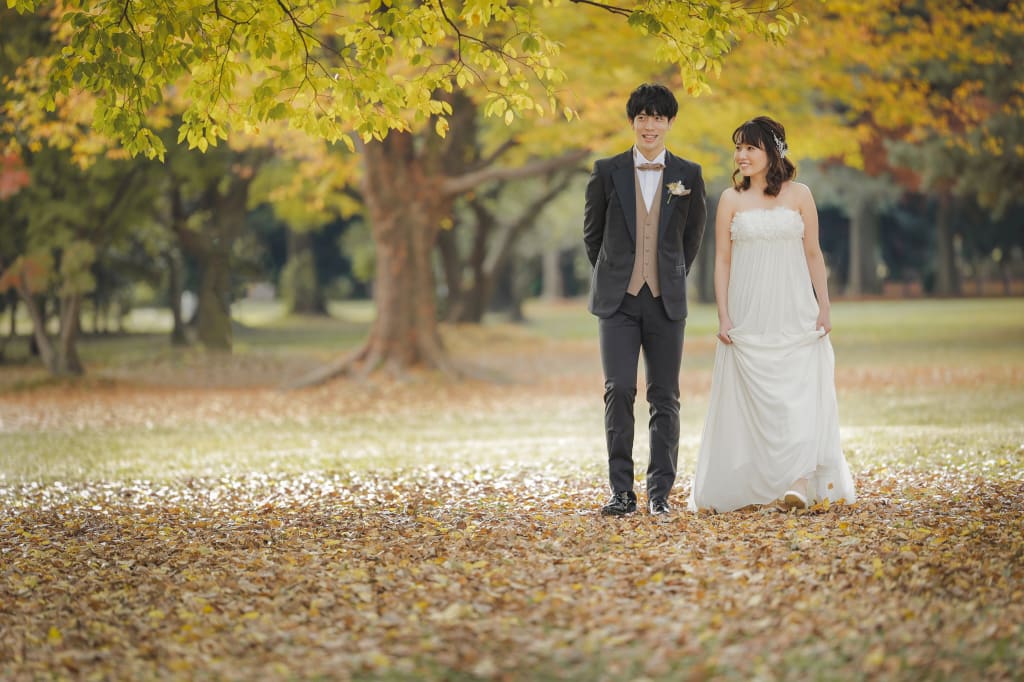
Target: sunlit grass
<point>921,384</point>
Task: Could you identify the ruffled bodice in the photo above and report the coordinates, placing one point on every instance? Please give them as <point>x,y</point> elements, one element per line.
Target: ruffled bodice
<point>767,223</point>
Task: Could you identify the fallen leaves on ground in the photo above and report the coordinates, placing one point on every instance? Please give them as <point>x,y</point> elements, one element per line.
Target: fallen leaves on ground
<point>508,575</point>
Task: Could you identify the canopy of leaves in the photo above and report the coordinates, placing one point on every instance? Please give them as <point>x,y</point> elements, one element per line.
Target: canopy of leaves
<point>360,66</point>
<point>941,78</point>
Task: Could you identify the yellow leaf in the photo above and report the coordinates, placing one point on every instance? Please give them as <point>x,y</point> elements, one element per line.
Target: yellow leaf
<point>54,636</point>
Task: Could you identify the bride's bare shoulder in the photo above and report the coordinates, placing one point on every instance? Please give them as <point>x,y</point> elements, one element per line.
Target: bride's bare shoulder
<point>730,196</point>
<point>797,190</point>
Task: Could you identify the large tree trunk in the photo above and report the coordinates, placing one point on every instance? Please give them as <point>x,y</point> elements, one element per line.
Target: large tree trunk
<point>213,312</point>
<point>405,208</point>
<point>947,277</point>
<point>211,247</point>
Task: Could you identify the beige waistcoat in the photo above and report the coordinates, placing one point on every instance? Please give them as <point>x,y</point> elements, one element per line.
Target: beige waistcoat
<point>645,263</point>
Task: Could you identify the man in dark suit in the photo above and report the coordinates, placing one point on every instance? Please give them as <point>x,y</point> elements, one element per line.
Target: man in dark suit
<point>642,226</point>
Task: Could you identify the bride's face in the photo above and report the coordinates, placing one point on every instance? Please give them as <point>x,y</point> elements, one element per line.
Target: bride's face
<point>751,160</point>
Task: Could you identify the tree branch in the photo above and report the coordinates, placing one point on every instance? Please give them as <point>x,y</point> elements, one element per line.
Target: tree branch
<point>463,183</point>
<point>621,11</point>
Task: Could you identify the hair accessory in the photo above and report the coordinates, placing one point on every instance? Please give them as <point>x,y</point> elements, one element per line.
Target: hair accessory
<point>781,145</point>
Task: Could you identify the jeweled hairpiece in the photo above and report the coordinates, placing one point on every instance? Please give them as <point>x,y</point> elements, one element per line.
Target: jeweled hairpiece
<point>781,145</point>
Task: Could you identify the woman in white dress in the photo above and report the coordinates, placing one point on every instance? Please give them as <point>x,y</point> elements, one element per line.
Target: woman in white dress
<point>772,428</point>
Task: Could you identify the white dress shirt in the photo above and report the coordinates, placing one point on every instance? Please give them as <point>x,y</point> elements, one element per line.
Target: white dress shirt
<point>649,179</point>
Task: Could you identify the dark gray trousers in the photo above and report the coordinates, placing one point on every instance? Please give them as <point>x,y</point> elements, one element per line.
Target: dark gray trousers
<point>641,323</point>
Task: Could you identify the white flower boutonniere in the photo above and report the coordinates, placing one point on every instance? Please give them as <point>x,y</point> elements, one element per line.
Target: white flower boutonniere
<point>677,189</point>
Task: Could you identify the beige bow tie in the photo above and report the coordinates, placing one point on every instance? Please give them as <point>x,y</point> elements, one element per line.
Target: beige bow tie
<point>650,166</point>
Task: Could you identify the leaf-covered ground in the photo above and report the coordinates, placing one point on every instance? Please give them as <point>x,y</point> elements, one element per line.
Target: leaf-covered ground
<point>174,516</point>
<point>508,575</point>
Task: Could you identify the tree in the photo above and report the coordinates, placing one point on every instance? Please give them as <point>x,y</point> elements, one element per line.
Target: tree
<point>63,218</point>
<point>380,72</point>
<point>937,84</point>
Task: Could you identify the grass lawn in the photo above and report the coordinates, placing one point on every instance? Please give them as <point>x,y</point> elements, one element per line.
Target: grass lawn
<point>175,514</point>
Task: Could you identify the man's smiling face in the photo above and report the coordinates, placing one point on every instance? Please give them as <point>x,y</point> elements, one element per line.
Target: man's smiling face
<point>650,131</point>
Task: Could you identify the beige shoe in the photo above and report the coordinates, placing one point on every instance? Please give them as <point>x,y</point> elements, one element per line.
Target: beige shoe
<point>794,499</point>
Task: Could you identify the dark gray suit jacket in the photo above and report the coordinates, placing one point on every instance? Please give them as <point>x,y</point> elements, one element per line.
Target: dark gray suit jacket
<point>609,231</point>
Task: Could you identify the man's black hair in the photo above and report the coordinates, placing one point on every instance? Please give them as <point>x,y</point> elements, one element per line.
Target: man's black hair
<point>652,99</point>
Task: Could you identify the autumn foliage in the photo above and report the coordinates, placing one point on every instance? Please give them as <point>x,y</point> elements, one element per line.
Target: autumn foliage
<point>507,575</point>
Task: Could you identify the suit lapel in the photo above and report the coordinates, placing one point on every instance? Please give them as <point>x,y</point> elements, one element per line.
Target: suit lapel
<point>624,179</point>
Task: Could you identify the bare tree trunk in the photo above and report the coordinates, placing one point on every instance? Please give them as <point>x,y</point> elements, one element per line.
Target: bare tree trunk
<point>302,289</point>
<point>63,358</point>
<point>213,314</point>
<point>11,306</point>
<point>405,208</point>
<point>68,361</point>
<point>211,247</point>
<point>947,279</point>
<point>863,242</point>
<point>176,286</point>
<point>47,354</point>
<point>451,266</point>
<point>552,283</point>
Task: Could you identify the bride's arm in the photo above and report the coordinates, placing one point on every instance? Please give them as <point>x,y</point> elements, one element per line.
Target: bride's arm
<point>815,259</point>
<point>723,260</point>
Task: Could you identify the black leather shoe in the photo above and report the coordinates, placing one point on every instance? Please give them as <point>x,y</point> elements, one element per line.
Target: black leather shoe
<point>658,506</point>
<point>622,503</point>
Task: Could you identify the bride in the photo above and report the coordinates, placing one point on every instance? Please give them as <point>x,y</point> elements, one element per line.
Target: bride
<point>772,428</point>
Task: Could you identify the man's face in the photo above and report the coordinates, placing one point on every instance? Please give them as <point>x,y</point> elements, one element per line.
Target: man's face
<point>650,131</point>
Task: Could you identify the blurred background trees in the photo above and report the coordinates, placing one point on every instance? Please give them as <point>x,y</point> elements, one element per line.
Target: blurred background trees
<point>432,156</point>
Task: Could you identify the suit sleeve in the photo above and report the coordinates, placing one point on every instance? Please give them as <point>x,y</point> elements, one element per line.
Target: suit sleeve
<point>594,212</point>
<point>696,220</point>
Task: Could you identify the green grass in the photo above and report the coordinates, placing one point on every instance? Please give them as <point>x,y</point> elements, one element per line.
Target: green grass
<point>921,384</point>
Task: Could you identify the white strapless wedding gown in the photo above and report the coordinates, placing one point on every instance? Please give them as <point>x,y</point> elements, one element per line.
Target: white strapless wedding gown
<point>773,417</point>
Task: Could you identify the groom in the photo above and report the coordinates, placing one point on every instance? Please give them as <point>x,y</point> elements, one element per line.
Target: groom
<point>642,226</point>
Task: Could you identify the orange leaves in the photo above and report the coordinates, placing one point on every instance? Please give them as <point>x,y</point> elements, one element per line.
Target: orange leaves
<point>13,175</point>
<point>435,575</point>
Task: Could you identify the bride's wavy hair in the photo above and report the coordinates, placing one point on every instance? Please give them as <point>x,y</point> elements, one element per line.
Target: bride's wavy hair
<point>769,135</point>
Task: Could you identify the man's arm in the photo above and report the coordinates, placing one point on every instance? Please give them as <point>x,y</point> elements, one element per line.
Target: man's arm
<point>696,219</point>
<point>594,212</point>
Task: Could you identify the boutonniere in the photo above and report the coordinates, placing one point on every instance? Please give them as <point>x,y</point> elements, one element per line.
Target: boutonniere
<point>677,189</point>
